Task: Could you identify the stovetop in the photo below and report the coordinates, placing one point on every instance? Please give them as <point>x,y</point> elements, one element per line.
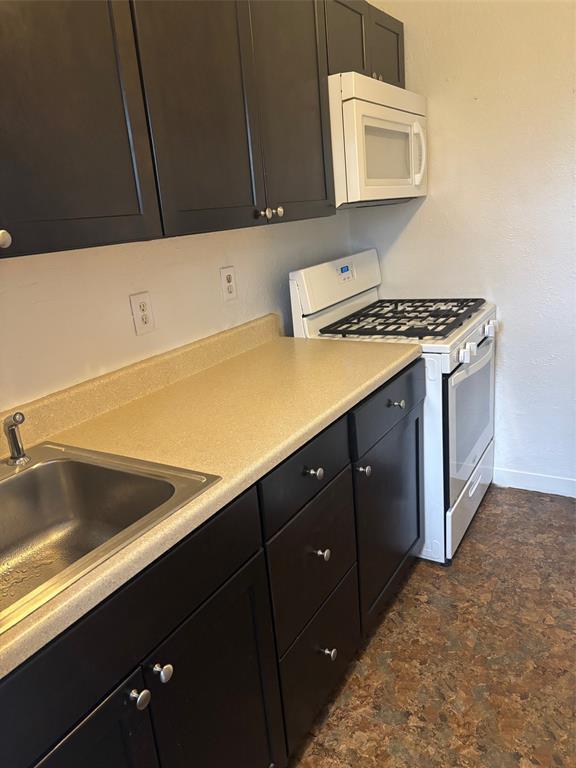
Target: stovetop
<point>410,318</point>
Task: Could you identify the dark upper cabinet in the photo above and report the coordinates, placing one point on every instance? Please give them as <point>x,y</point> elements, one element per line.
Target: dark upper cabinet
<point>222,705</point>
<point>115,735</point>
<point>289,49</point>
<point>386,47</point>
<point>389,509</point>
<point>362,38</point>
<point>76,161</point>
<point>198,85</point>
<point>347,24</point>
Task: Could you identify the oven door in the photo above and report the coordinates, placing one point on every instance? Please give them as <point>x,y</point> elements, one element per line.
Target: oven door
<point>385,152</point>
<point>469,401</point>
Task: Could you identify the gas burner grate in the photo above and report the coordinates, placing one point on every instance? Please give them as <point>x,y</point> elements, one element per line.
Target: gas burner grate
<point>411,318</point>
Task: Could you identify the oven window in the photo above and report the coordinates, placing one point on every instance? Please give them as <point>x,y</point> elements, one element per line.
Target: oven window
<point>387,153</point>
<point>473,416</point>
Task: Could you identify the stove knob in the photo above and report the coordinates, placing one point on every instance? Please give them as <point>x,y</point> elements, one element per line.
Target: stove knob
<point>464,355</point>
<point>490,328</point>
<point>473,347</point>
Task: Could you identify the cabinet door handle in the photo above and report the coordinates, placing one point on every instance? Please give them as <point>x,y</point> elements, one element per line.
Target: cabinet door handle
<point>317,473</point>
<point>380,78</point>
<point>267,212</point>
<point>374,75</point>
<point>367,470</point>
<point>278,211</point>
<point>397,404</point>
<point>6,237</point>
<point>164,671</point>
<point>141,698</point>
<point>323,554</point>
<point>331,653</point>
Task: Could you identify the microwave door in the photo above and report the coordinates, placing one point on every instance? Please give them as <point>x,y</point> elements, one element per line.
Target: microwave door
<point>470,414</point>
<point>382,147</point>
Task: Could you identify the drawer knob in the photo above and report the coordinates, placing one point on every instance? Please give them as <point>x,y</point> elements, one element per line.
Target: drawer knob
<point>397,404</point>
<point>142,698</point>
<point>317,473</point>
<point>331,653</point>
<point>266,213</point>
<point>164,671</point>
<point>367,470</point>
<point>324,554</point>
<point>5,238</point>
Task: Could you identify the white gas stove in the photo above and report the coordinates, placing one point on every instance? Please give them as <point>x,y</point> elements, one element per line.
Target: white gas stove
<point>345,299</point>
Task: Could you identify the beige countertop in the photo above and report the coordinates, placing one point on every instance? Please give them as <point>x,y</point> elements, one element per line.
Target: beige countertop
<point>238,419</point>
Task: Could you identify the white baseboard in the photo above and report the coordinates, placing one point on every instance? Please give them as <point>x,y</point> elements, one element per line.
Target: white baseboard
<point>530,481</point>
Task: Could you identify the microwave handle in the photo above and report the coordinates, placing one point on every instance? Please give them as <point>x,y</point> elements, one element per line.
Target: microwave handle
<point>419,131</point>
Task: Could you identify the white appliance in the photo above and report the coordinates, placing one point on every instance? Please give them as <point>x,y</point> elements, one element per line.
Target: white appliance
<point>378,140</point>
<point>345,299</point>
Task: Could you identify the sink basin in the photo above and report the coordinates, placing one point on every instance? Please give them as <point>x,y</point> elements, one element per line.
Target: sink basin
<point>69,510</point>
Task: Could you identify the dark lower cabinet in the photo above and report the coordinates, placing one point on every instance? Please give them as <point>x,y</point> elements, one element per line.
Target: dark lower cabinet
<point>76,160</point>
<point>222,705</point>
<point>317,661</point>
<point>389,509</point>
<point>116,735</point>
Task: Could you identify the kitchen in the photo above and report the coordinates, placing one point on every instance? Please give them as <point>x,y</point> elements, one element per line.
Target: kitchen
<point>230,396</point>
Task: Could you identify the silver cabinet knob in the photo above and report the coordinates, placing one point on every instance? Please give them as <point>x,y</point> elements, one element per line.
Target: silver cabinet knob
<point>380,78</point>
<point>324,554</point>
<point>267,212</point>
<point>367,470</point>
<point>332,653</point>
<point>141,698</point>
<point>374,75</point>
<point>278,211</point>
<point>6,237</point>
<point>397,404</point>
<point>165,672</point>
<point>317,473</point>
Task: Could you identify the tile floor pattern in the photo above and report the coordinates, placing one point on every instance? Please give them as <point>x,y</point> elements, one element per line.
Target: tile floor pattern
<point>473,667</point>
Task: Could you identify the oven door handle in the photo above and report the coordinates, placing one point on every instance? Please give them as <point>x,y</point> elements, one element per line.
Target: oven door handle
<point>475,366</point>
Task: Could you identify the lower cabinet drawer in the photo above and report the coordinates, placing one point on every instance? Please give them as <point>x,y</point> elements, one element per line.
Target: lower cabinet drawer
<point>373,418</point>
<point>317,661</point>
<point>309,557</point>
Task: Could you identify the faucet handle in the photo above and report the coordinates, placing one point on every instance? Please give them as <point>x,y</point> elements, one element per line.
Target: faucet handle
<point>16,419</point>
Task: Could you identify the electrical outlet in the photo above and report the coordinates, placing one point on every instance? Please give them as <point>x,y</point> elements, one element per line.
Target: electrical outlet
<point>142,313</point>
<point>228,280</point>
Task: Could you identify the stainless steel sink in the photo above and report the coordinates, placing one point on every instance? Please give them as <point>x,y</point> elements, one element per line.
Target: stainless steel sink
<point>69,509</point>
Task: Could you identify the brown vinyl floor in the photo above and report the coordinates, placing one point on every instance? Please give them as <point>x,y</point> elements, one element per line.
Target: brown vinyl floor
<point>473,666</point>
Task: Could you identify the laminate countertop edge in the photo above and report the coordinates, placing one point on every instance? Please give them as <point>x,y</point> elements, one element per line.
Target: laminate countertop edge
<point>268,429</point>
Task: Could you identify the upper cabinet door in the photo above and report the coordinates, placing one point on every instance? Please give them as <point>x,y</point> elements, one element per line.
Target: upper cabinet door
<point>197,89</point>
<point>386,47</point>
<point>76,167</point>
<point>346,29</point>
<point>289,40</point>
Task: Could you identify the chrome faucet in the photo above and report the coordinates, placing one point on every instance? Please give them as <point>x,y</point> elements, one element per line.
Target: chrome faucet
<point>12,431</point>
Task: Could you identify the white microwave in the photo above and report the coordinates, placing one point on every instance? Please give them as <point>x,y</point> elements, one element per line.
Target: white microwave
<point>378,140</point>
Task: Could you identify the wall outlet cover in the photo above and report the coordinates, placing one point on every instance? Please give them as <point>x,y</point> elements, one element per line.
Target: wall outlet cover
<point>142,313</point>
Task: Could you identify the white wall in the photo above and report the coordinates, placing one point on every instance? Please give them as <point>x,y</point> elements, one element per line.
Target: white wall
<point>65,317</point>
<point>499,219</point>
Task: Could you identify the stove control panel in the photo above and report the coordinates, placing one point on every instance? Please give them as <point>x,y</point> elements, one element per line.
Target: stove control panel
<point>345,272</point>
